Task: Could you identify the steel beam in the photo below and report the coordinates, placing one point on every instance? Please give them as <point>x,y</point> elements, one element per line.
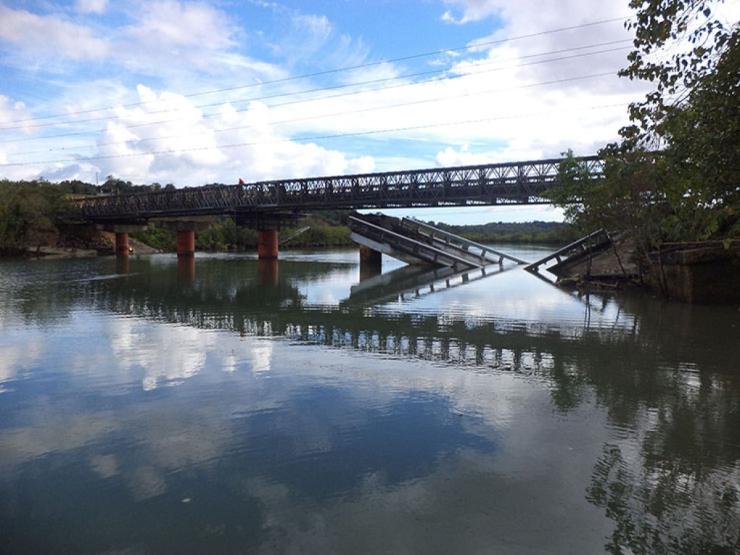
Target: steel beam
<point>489,184</point>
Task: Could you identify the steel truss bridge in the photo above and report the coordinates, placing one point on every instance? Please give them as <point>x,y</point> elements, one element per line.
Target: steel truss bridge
<point>488,184</point>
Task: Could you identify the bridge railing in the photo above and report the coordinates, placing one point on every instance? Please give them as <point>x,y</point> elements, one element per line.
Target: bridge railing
<point>519,182</point>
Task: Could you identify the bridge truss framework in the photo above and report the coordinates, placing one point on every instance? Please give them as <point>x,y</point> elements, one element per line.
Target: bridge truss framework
<point>488,184</point>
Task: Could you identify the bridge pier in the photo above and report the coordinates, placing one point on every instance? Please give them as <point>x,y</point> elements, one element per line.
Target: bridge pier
<point>267,244</point>
<point>371,263</point>
<point>185,243</point>
<point>122,248</point>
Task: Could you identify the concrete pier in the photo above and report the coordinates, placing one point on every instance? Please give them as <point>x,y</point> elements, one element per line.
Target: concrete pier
<point>122,248</point>
<point>185,243</point>
<point>371,263</point>
<point>267,244</point>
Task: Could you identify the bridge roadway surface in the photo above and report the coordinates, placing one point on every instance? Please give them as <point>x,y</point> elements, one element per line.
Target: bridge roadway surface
<point>488,184</point>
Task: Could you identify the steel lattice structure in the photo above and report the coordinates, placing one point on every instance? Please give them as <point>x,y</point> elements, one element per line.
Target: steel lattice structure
<point>489,184</point>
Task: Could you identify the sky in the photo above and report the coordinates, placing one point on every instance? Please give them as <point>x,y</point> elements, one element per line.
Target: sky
<point>191,93</point>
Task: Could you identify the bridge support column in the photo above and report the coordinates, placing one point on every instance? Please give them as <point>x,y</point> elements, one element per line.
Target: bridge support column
<point>267,244</point>
<point>122,243</point>
<point>371,263</point>
<point>185,243</point>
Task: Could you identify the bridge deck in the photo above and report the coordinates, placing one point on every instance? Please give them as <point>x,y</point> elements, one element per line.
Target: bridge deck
<point>489,184</point>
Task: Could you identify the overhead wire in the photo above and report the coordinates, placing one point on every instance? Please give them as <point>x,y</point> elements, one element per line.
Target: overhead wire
<point>475,45</point>
<point>341,113</point>
<point>327,97</point>
<point>296,139</point>
<point>354,84</point>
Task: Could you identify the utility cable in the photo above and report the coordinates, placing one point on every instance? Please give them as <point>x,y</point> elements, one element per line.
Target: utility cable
<point>348,85</point>
<point>317,99</point>
<point>297,139</point>
<point>475,45</point>
<point>342,113</point>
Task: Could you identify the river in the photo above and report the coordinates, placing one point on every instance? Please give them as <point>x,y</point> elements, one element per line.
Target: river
<point>226,405</point>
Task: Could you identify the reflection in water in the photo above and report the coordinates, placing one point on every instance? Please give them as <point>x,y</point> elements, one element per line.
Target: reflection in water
<point>251,408</point>
<point>186,269</point>
<point>268,272</point>
<point>123,265</point>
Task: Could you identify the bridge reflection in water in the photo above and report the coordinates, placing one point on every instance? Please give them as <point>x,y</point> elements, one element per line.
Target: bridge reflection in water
<point>668,450</point>
<point>267,298</point>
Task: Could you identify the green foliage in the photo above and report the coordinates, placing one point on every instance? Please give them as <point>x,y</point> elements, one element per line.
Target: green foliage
<point>321,236</point>
<point>225,235</point>
<point>514,232</point>
<point>157,238</point>
<point>678,43</point>
<point>27,213</point>
<point>689,189</point>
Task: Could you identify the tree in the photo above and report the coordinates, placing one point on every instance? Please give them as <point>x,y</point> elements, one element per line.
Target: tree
<point>674,176</point>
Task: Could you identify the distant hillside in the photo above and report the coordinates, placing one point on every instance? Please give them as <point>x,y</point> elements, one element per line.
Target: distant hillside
<point>515,232</point>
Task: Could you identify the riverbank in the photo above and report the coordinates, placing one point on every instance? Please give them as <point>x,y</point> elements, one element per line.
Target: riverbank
<point>706,272</point>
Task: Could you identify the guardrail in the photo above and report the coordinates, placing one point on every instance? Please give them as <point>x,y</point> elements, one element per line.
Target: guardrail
<point>489,184</point>
<point>582,245</point>
<point>406,245</point>
<point>486,254</point>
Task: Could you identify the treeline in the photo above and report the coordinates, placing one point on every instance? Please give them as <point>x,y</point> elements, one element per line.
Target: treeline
<point>326,230</point>
<point>29,211</point>
<point>224,235</point>
<point>514,232</point>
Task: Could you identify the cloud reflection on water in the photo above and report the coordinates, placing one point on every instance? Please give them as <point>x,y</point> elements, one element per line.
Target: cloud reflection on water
<point>285,427</point>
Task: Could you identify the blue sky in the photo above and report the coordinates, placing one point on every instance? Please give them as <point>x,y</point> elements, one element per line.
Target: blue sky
<point>92,88</point>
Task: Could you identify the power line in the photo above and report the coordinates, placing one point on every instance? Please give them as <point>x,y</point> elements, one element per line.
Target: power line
<point>348,85</point>
<point>326,97</point>
<point>300,139</point>
<point>344,68</point>
<point>349,112</point>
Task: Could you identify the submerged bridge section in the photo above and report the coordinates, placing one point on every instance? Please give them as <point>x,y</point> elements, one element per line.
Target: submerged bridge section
<point>416,242</point>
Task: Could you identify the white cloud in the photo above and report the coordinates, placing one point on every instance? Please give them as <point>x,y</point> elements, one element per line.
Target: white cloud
<point>176,26</point>
<point>191,149</point>
<point>92,6</point>
<point>513,108</point>
<point>472,10</point>
<point>50,35</point>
